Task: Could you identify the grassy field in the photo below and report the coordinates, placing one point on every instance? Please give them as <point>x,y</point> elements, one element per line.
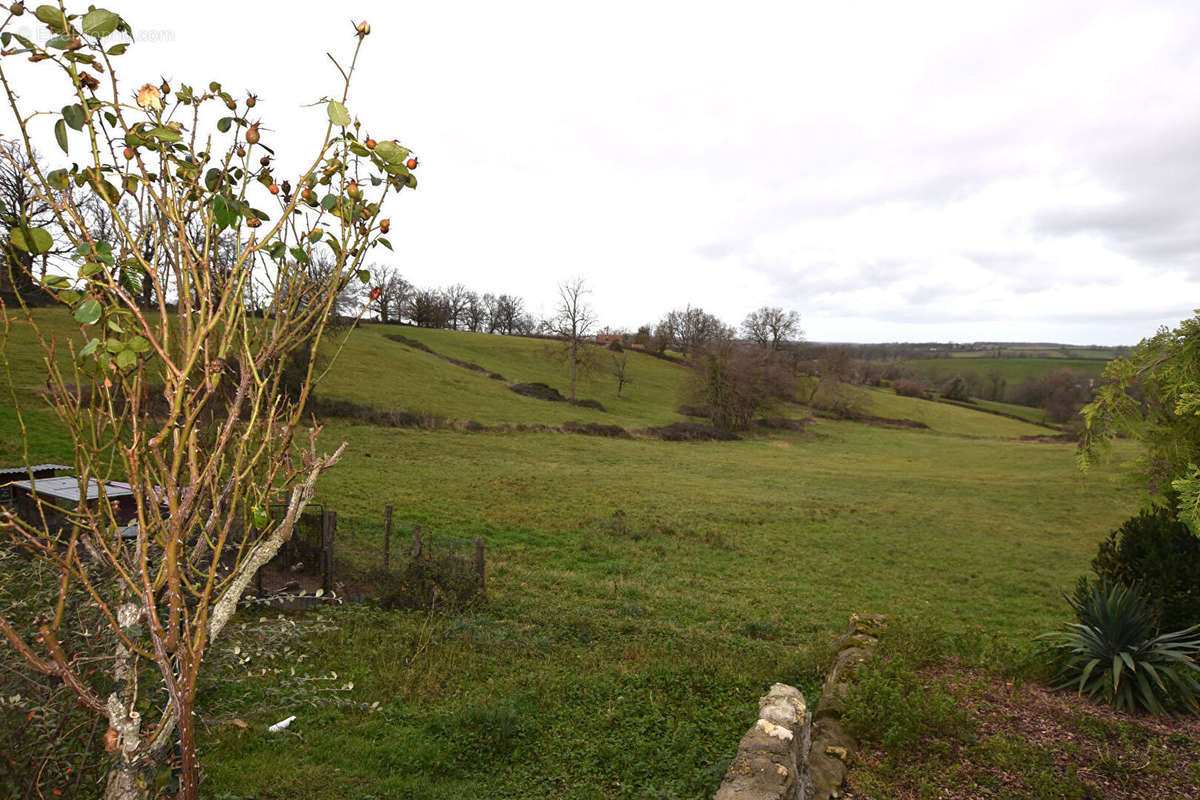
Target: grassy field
<point>641,594</point>
<point>452,391</point>
<point>1013,370</point>
<point>1043,351</point>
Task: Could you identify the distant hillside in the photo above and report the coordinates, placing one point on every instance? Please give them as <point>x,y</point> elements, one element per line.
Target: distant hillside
<point>460,377</point>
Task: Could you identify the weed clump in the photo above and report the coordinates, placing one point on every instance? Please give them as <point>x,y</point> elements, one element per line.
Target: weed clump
<point>893,705</point>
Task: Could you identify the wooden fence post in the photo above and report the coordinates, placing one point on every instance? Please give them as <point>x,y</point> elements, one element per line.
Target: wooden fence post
<point>328,527</point>
<point>416,542</point>
<point>479,562</point>
<point>387,537</point>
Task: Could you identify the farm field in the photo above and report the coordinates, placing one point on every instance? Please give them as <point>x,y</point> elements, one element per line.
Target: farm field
<point>1013,370</point>
<point>641,593</point>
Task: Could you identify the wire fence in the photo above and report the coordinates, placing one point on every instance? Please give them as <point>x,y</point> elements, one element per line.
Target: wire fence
<point>424,570</point>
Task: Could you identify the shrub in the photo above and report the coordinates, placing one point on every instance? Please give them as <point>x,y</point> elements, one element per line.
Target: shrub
<point>1111,652</point>
<point>907,387</point>
<point>956,389</point>
<point>1158,552</point>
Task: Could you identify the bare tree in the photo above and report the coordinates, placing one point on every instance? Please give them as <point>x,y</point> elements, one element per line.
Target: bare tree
<point>620,370</point>
<point>455,299</point>
<point>474,313</point>
<point>507,314</point>
<point>688,329</point>
<point>22,207</point>
<point>394,292</point>
<point>735,380</point>
<point>573,320</point>
<point>772,327</point>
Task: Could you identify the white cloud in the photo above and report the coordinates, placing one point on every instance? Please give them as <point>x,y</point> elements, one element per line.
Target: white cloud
<point>892,171</point>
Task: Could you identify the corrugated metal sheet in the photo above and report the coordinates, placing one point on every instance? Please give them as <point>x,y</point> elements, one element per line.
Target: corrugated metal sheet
<point>68,488</point>
<point>35,468</point>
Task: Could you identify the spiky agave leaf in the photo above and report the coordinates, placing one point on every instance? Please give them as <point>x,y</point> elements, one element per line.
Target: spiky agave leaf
<point>1112,653</point>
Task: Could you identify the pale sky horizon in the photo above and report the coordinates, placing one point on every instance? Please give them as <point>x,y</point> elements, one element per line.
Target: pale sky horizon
<point>925,171</point>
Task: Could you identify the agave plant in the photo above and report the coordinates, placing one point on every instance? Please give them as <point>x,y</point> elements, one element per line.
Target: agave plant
<point>1114,653</point>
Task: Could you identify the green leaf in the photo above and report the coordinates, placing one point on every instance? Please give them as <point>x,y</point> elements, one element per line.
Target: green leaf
<point>359,150</point>
<point>89,348</point>
<point>139,344</point>
<point>114,345</point>
<point>31,240</point>
<point>391,153</point>
<point>88,312</point>
<point>59,42</point>
<point>299,254</point>
<point>107,191</point>
<point>52,16</point>
<point>329,201</point>
<point>212,179</point>
<point>69,296</point>
<point>99,22</point>
<point>385,243</point>
<point>126,358</point>
<point>278,249</point>
<point>364,275</point>
<point>338,114</point>
<point>224,123</point>
<point>74,116</point>
<point>56,281</point>
<point>224,215</point>
<point>165,134</point>
<point>60,135</point>
<point>118,49</point>
<point>260,516</point>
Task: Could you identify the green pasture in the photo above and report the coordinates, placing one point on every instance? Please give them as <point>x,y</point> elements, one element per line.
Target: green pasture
<point>641,594</point>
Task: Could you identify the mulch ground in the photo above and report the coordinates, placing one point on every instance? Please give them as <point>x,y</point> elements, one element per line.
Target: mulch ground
<point>1030,742</point>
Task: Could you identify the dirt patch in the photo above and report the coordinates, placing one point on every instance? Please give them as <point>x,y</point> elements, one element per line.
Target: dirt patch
<point>689,432</point>
<point>596,429</point>
<point>1031,742</point>
<point>592,404</point>
<point>783,423</point>
<point>413,343</point>
<point>538,391</point>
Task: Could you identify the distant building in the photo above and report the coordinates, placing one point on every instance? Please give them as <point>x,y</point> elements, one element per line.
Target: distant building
<point>605,339</point>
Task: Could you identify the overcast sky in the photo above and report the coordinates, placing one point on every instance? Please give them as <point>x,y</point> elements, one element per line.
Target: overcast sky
<point>892,171</point>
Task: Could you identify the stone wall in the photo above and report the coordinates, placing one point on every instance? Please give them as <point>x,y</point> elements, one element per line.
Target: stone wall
<point>792,754</point>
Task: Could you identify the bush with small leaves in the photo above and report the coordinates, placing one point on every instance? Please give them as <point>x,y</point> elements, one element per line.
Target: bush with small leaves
<point>1158,552</point>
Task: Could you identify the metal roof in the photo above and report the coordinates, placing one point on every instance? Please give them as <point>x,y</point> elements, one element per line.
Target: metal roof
<point>68,488</point>
<point>33,468</point>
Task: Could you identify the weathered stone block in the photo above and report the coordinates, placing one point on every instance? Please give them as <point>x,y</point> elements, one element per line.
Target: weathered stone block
<point>769,764</point>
